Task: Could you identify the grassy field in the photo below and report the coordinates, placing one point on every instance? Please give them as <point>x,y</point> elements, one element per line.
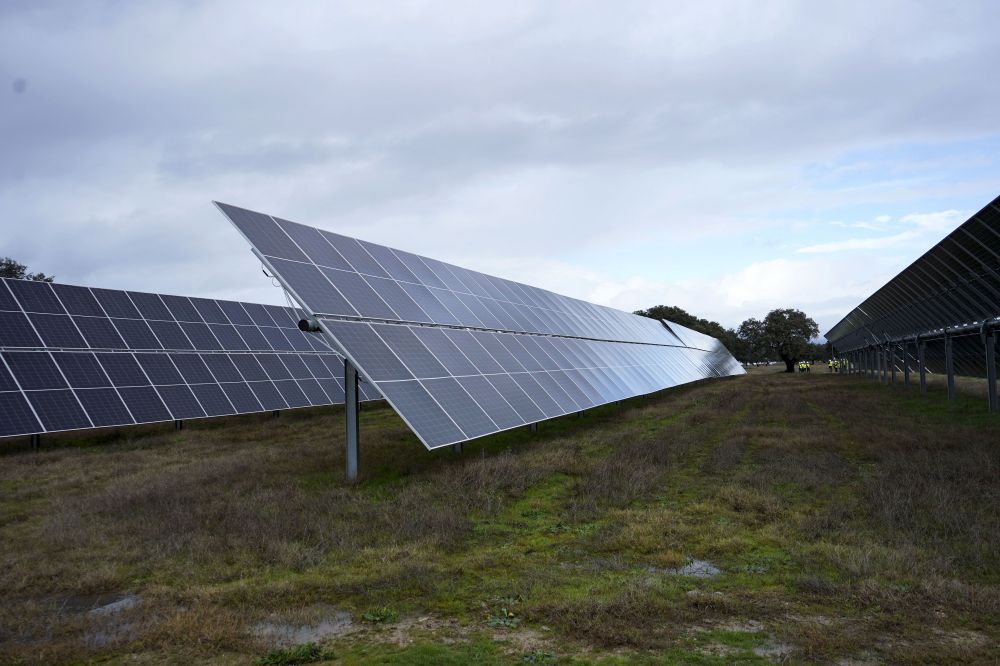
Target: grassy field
<point>767,518</point>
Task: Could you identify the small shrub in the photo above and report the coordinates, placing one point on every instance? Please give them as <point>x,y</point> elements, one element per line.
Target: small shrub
<point>380,614</point>
<point>505,619</point>
<point>745,500</point>
<point>307,653</point>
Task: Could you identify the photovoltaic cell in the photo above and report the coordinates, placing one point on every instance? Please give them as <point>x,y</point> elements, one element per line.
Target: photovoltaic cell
<point>116,303</point>
<point>57,330</point>
<point>78,300</point>
<point>34,370</point>
<point>145,404</point>
<point>100,333</point>
<point>104,407</point>
<point>59,410</point>
<point>18,419</point>
<point>213,400</point>
<point>421,412</point>
<point>36,296</point>
<point>16,331</point>
<point>81,370</point>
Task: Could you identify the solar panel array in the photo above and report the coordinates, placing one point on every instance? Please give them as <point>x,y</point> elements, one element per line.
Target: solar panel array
<point>461,354</point>
<point>75,357</point>
<point>955,284</point>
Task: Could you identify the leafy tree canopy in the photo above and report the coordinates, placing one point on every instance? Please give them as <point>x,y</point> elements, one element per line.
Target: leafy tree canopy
<point>9,268</point>
<point>786,332</point>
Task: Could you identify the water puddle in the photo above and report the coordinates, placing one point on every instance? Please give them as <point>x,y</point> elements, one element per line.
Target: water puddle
<point>124,603</point>
<point>108,625</point>
<point>334,623</point>
<point>695,569</point>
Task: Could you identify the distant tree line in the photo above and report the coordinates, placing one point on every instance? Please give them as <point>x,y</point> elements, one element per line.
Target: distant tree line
<point>784,334</point>
<point>9,268</point>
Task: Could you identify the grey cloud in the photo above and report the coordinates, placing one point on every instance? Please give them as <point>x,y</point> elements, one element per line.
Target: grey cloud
<point>458,130</point>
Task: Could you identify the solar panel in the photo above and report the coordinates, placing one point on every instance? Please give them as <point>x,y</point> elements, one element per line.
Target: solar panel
<point>954,285</point>
<point>75,357</point>
<point>460,354</point>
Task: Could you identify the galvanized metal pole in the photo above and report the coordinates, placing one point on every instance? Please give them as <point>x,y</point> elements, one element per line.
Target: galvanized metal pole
<point>36,442</point>
<point>882,362</point>
<point>921,355</point>
<point>991,371</point>
<point>906,366</point>
<point>351,417</point>
<point>949,366</point>
<point>533,427</point>
<point>457,447</point>
<point>892,362</point>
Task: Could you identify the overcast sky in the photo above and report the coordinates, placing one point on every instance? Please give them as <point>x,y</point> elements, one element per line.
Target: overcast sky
<point>725,157</point>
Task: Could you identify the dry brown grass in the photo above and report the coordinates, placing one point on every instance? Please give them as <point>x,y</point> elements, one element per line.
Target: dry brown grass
<point>849,519</point>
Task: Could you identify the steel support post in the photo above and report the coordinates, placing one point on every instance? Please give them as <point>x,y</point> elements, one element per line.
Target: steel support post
<point>533,427</point>
<point>892,362</point>
<point>991,371</point>
<point>906,367</point>
<point>36,442</point>
<point>276,413</point>
<point>881,364</point>
<point>178,425</point>
<point>351,417</point>
<point>922,366</point>
<point>949,366</point>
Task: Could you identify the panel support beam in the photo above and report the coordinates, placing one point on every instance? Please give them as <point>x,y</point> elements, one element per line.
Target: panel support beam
<point>882,363</point>
<point>351,418</point>
<point>922,366</point>
<point>906,366</point>
<point>991,371</point>
<point>892,363</point>
<point>949,366</point>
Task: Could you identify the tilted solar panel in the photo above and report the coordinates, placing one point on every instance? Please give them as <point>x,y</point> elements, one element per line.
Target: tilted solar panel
<point>75,357</point>
<point>953,285</point>
<point>460,354</point>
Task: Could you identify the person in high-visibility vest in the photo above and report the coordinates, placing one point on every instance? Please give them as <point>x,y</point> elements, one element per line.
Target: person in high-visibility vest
<point>829,365</point>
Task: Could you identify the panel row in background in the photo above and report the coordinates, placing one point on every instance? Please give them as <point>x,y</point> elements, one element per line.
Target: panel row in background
<point>341,276</point>
<point>955,283</point>
<point>452,385</point>
<point>53,391</point>
<point>968,356</point>
<point>40,314</point>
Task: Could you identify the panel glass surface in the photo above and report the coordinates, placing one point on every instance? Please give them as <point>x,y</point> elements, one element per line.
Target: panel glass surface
<point>460,354</point>
<point>78,357</point>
